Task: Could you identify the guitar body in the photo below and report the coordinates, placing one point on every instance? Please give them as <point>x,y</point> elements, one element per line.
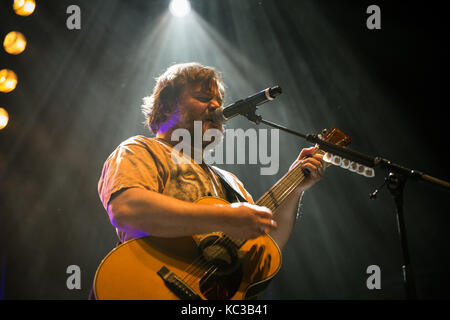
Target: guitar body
<point>211,266</point>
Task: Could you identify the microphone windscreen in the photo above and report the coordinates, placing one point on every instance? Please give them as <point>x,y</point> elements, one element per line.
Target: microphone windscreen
<point>218,116</point>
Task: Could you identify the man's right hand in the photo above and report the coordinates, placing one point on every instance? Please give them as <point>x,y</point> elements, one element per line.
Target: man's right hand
<point>246,221</point>
<point>140,211</point>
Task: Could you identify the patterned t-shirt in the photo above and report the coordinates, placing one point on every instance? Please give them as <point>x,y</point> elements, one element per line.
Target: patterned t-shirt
<point>152,164</point>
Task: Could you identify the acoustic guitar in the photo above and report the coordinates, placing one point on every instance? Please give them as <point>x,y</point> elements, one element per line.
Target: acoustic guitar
<point>210,266</point>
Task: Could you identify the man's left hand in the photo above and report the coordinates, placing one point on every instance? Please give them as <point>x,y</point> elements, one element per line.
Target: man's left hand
<point>314,164</point>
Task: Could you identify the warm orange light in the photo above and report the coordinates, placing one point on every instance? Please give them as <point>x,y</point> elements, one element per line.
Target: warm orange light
<point>8,80</point>
<point>24,7</point>
<point>14,43</point>
<point>3,118</point>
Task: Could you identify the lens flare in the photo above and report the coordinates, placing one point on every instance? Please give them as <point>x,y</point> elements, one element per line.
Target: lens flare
<point>14,42</point>
<point>8,80</point>
<point>24,7</point>
<point>4,118</point>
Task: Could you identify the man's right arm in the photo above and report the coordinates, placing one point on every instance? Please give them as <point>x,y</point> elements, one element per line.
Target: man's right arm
<point>137,211</point>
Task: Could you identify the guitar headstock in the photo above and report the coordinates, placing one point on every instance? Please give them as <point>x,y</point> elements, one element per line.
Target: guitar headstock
<point>335,136</point>
<point>338,137</point>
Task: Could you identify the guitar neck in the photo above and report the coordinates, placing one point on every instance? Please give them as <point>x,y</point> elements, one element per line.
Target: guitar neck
<point>273,198</point>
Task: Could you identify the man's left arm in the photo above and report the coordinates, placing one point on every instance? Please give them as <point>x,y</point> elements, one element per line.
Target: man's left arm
<point>286,213</point>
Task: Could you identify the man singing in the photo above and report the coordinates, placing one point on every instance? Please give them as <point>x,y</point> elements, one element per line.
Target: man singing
<point>146,192</point>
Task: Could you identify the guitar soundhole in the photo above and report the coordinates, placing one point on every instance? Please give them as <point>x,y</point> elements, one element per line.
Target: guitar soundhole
<point>224,272</point>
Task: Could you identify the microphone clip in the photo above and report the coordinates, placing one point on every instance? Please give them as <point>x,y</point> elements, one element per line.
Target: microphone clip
<point>253,117</point>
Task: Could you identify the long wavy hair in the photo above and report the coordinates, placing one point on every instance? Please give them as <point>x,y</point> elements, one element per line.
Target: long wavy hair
<point>169,85</point>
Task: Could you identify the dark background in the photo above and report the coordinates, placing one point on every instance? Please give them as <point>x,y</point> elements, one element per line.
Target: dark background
<point>79,94</point>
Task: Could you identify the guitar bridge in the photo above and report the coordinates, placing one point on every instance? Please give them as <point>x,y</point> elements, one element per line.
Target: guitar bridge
<point>177,286</point>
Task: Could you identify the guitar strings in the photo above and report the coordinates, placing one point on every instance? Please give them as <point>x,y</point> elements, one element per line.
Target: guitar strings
<point>190,269</point>
<point>265,200</point>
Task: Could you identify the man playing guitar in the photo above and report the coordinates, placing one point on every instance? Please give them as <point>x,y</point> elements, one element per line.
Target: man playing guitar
<point>146,194</point>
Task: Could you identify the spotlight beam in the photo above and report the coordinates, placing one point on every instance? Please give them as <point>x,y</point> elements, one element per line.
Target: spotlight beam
<point>180,8</point>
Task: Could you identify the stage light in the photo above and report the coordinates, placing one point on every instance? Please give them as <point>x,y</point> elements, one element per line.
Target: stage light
<point>180,8</point>
<point>24,7</point>
<point>8,80</point>
<point>14,42</point>
<point>3,118</point>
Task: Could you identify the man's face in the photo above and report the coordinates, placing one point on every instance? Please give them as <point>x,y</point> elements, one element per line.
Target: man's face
<point>197,102</point>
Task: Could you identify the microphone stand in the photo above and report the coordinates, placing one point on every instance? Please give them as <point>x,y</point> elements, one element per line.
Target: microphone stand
<point>395,181</point>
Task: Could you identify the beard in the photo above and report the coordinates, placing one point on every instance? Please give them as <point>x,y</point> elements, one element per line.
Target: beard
<point>212,132</point>
<point>212,137</point>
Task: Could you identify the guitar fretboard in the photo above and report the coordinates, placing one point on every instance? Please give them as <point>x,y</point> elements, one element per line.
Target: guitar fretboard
<point>273,198</point>
<point>282,189</point>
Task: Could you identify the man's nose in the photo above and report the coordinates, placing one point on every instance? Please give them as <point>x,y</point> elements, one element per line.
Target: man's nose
<point>214,104</point>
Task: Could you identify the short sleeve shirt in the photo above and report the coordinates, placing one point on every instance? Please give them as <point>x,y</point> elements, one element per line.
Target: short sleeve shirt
<point>152,164</point>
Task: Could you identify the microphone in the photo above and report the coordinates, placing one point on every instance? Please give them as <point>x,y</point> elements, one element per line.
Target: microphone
<point>246,105</point>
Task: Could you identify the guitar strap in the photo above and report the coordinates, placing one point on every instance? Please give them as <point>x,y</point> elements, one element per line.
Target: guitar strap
<point>232,189</point>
